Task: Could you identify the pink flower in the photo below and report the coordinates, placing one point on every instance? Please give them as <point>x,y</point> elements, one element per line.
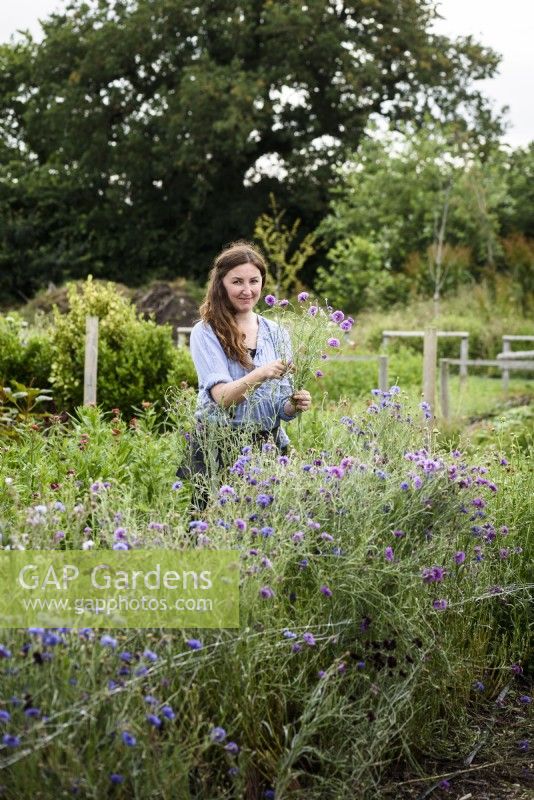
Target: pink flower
<point>333,342</point>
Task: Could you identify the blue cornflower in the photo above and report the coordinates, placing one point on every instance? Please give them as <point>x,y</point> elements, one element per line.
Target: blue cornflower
<point>267,531</point>
<point>154,720</point>
<point>232,747</point>
<point>217,735</point>
<point>167,712</point>
<point>108,641</point>
<point>5,652</point>
<point>5,716</point>
<point>10,741</point>
<point>264,500</point>
<point>128,739</point>
<point>194,644</point>
<point>116,777</point>
<point>150,655</point>
<point>32,712</point>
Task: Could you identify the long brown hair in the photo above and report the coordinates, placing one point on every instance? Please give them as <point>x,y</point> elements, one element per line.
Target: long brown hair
<point>216,308</point>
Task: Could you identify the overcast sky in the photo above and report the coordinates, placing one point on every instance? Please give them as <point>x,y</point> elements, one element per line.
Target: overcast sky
<point>507,27</point>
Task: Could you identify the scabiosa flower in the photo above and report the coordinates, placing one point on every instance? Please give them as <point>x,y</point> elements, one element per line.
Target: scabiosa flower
<point>404,486</point>
<point>478,686</point>
<point>346,325</point>
<point>121,546</point>
<point>326,591</point>
<point>459,557</point>
<point>267,531</point>
<point>517,669</point>
<point>327,537</point>
<point>270,300</point>
<point>194,644</point>
<point>319,373</point>
<point>283,303</point>
<point>240,524</point>
<point>198,525</point>
<point>297,537</point>
<point>398,534</point>
<point>302,297</point>
<point>337,317</point>
<point>289,634</point>
<point>313,311</point>
<point>226,491</point>
<point>232,747</point>
<point>440,605</point>
<point>333,342</point>
<point>388,554</point>
<point>525,699</point>
<point>433,574</point>
<point>217,735</point>
<point>128,739</point>
<point>266,592</point>
<point>5,716</point>
<point>309,639</point>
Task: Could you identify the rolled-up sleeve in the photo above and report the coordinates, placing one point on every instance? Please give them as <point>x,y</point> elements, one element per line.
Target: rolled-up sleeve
<point>209,359</point>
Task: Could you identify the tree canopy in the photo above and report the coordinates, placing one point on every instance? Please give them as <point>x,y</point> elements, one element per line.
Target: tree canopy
<point>141,135</point>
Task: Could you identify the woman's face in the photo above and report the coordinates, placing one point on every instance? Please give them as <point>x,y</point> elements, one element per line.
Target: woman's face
<point>243,287</point>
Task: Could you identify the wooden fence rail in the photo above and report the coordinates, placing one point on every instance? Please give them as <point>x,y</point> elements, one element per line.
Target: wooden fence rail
<point>91,361</point>
<point>508,352</point>
<point>462,335</point>
<point>444,364</point>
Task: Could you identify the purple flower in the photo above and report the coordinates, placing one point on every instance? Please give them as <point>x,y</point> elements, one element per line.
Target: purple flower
<point>270,299</point>
<point>346,325</point>
<point>433,574</point>
<point>154,720</point>
<point>11,741</point>
<point>267,531</point>
<point>298,536</point>
<point>388,554</point>
<point>266,592</point>
<point>319,373</point>
<point>312,311</point>
<point>517,669</point>
<point>399,534</point>
<point>283,303</point>
<point>525,699</point>
<point>240,524</point>
<point>5,716</point>
<point>309,638</point>
<point>333,342</point>
<point>264,500</point>
<point>108,641</point>
<point>478,686</point>
<point>404,486</point>
<point>217,735</point>
<point>128,739</point>
<point>337,317</point>
<point>116,777</point>
<point>289,634</point>
<point>440,605</point>
<point>150,655</point>
<point>226,491</point>
<point>194,644</point>
<point>524,745</point>
<point>302,297</point>
<point>459,557</point>
<point>167,712</point>
<point>33,713</point>
<point>326,591</point>
<point>5,652</point>
<point>120,546</point>
<point>232,747</point>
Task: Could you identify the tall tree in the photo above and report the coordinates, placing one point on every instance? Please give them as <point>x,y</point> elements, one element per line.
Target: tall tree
<point>155,129</point>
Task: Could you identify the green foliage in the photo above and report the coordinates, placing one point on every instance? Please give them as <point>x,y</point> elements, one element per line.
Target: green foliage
<point>357,278</point>
<point>148,116</point>
<point>137,359</point>
<point>21,404</point>
<point>519,258</point>
<point>25,352</point>
<point>278,241</point>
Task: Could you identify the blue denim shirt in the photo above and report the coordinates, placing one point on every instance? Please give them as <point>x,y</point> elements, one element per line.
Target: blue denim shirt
<point>264,407</point>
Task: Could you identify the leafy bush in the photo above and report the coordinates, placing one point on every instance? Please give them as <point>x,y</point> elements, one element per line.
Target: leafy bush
<point>137,360</point>
<point>358,278</point>
<point>25,353</point>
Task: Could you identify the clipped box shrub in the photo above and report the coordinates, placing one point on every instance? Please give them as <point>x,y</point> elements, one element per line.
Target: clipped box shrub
<point>25,353</point>
<point>137,359</point>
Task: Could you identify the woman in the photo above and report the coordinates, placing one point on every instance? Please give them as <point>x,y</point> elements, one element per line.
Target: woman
<point>240,357</point>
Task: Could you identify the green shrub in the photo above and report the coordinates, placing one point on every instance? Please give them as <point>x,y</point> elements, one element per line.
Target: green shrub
<point>25,353</point>
<point>137,360</point>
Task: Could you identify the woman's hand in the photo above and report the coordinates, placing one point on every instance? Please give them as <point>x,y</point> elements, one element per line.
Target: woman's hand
<point>274,369</point>
<point>300,401</point>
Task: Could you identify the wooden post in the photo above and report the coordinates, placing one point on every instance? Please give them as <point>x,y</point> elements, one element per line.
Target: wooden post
<point>91,361</point>
<point>444,387</point>
<point>385,340</point>
<point>464,355</point>
<point>429,368</point>
<point>506,348</point>
<point>383,373</point>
